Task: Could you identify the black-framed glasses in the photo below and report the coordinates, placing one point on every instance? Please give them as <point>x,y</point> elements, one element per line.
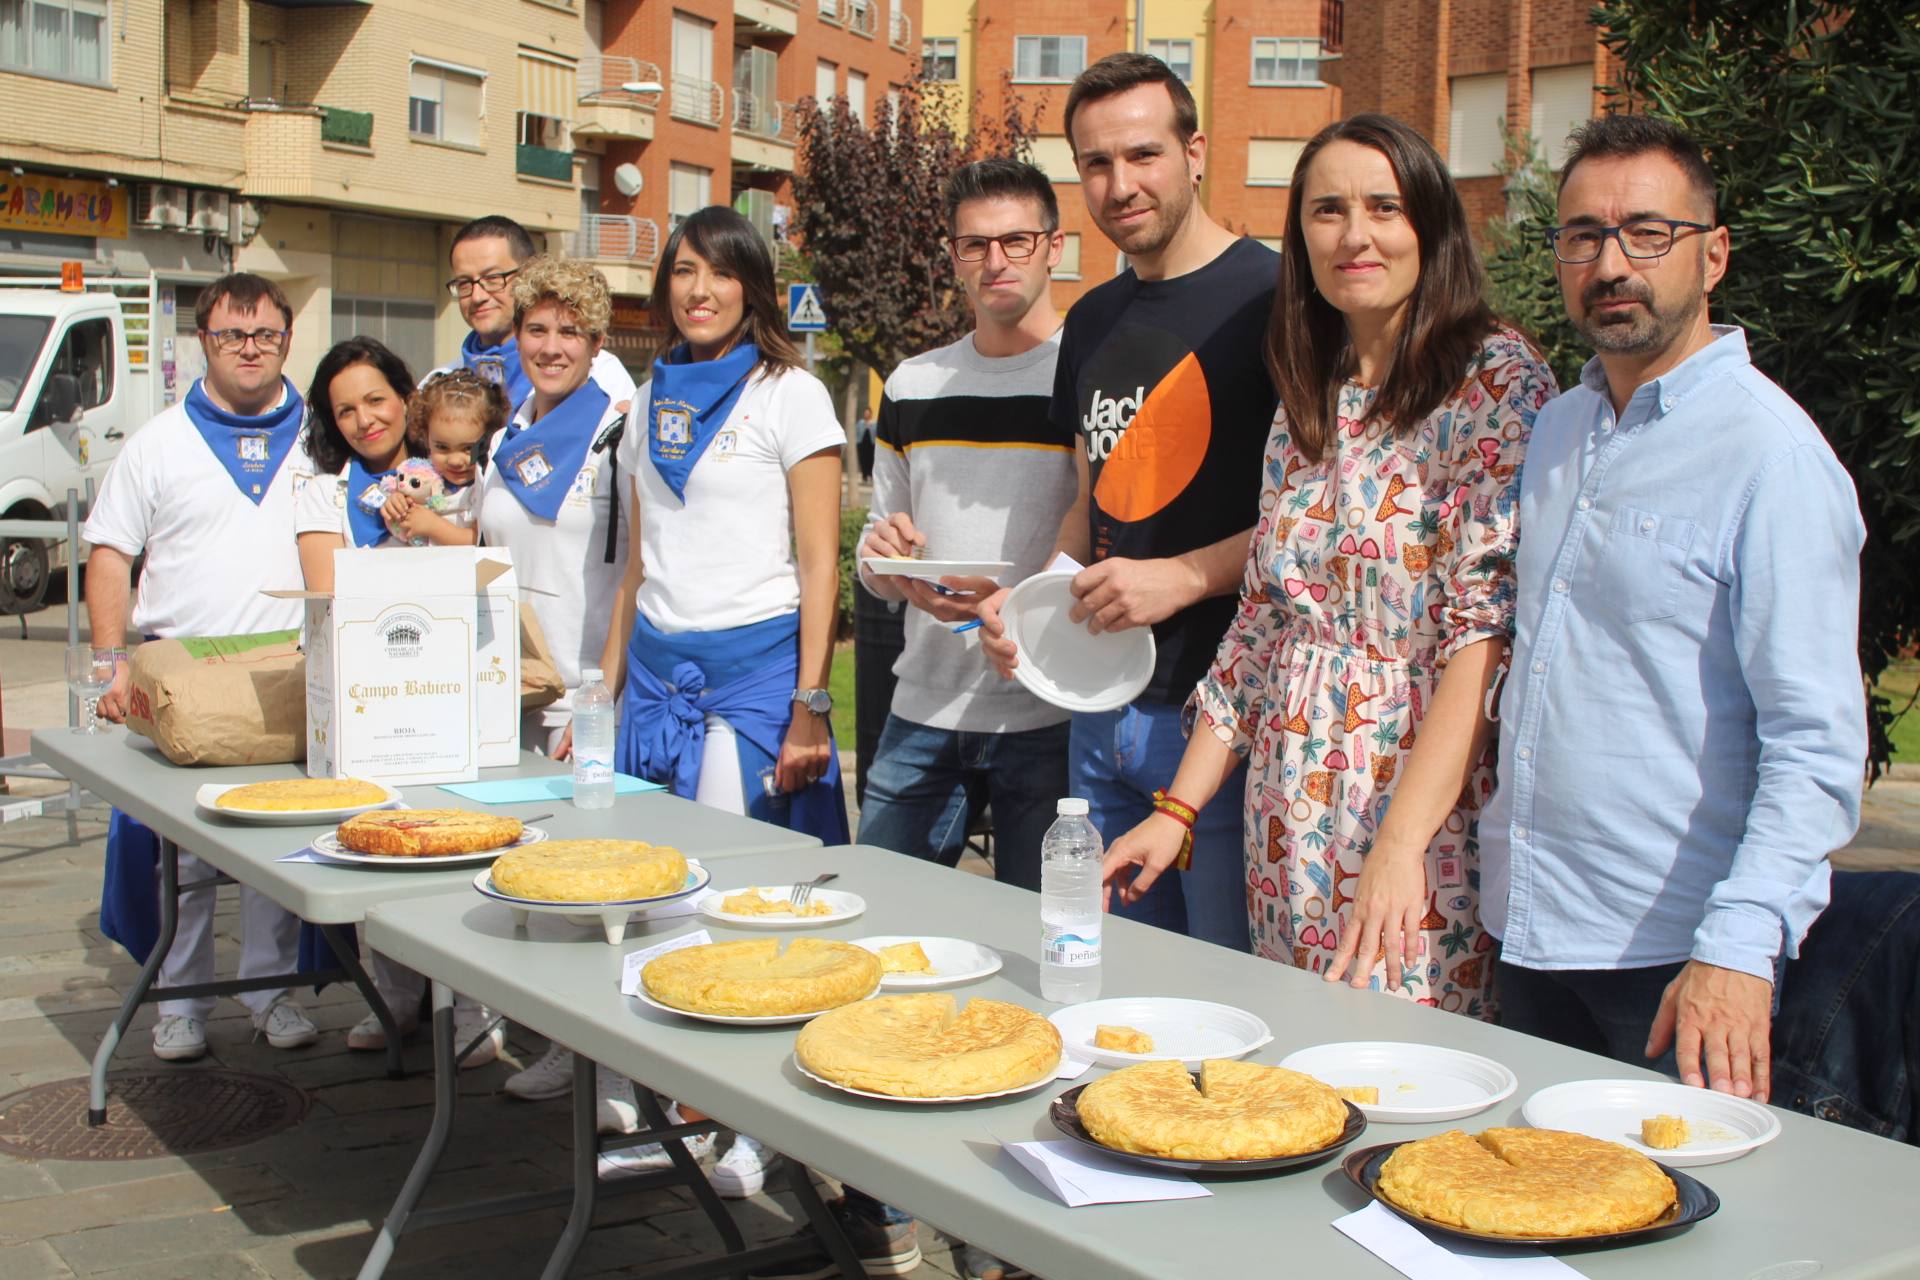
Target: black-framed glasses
<point>491,281</point>
<point>233,341</point>
<point>1017,245</point>
<point>1641,238</point>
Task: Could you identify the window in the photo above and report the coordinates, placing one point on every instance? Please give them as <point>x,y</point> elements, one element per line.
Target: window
<point>830,10</point>
<point>857,95</point>
<point>543,131</point>
<point>446,102</point>
<point>689,190</point>
<point>260,78</point>
<point>81,377</point>
<point>1271,161</point>
<point>940,58</point>
<point>692,47</point>
<point>823,81</point>
<point>1069,268</point>
<point>406,327</point>
<point>1562,100</point>
<point>66,38</point>
<point>1277,61</point>
<point>1474,145</point>
<point>1053,156</point>
<point>1177,54</point>
<point>1049,59</point>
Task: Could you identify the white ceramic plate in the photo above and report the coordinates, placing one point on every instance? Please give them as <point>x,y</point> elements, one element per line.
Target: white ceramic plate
<point>736,1020</point>
<point>1064,663</point>
<point>1418,1083</point>
<point>934,570</point>
<point>845,907</point>
<point>207,796</point>
<point>1189,1031</point>
<point>888,1097</point>
<point>1722,1125</point>
<point>329,844</point>
<point>612,917</point>
<point>954,960</point>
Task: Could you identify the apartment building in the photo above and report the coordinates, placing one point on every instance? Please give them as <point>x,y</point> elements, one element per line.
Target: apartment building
<point>1257,69</point>
<point>686,103</point>
<point>1469,73</point>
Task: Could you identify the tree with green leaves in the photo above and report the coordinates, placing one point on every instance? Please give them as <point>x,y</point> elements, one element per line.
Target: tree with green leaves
<point>1809,112</point>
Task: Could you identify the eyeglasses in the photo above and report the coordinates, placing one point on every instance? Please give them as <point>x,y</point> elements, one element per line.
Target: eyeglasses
<point>233,341</point>
<point>1017,245</point>
<point>1641,238</point>
<point>491,281</point>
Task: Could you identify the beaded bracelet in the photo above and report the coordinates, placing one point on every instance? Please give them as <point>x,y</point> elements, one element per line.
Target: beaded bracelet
<point>1184,814</point>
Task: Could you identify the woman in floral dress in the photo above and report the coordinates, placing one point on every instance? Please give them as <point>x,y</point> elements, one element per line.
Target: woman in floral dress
<point>1359,674</point>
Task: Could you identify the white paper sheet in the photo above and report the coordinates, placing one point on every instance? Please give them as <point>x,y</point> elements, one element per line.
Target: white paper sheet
<point>311,854</point>
<point>1418,1256</point>
<point>635,961</point>
<point>1082,1177</point>
<point>1071,1068</point>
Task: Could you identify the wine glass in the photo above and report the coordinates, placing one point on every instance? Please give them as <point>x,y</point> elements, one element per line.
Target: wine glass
<point>90,674</point>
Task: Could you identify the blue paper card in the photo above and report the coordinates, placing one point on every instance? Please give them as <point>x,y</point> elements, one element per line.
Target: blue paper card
<point>558,786</point>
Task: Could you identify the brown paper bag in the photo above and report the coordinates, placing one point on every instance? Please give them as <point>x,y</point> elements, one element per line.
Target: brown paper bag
<point>540,682</point>
<point>223,699</point>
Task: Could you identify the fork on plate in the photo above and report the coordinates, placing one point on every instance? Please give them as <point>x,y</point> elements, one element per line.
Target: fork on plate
<point>800,893</point>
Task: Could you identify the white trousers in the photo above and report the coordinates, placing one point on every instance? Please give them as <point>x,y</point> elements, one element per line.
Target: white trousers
<point>720,786</point>
<point>269,944</point>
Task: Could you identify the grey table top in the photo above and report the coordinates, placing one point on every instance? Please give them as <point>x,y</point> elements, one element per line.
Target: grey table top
<point>1819,1192</point>
<point>127,771</point>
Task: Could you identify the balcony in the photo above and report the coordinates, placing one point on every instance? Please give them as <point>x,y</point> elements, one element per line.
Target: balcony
<point>624,248</point>
<point>544,163</point>
<point>697,100</point>
<point>861,17</point>
<point>767,17</point>
<point>899,28</point>
<point>296,151</point>
<point>1333,25</point>
<point>608,110</point>
<point>762,133</point>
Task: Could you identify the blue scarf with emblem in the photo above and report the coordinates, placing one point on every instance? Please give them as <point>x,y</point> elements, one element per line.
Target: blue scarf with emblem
<point>499,364</point>
<point>539,462</point>
<point>251,449</point>
<point>364,500</point>
<point>691,402</point>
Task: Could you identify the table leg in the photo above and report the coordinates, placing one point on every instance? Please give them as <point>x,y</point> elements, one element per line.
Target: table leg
<point>586,1171</point>
<point>445,1080</point>
<point>347,954</point>
<point>696,1178</point>
<point>137,994</point>
<point>832,1238</point>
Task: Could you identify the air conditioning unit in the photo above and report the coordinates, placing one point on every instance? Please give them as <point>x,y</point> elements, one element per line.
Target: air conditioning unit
<point>160,205</point>
<point>207,212</point>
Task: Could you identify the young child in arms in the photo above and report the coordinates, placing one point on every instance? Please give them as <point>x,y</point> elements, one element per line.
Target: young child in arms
<point>447,421</point>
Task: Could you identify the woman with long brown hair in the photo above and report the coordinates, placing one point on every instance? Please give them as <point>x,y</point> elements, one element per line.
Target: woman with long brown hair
<point>1359,672</point>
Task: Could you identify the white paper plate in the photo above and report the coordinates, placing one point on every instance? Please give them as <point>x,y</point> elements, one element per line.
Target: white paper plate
<point>208,794</point>
<point>934,570</point>
<point>954,960</point>
<point>888,1097</point>
<point>1723,1126</point>
<point>329,844</point>
<point>845,907</point>
<point>1189,1031</point>
<point>738,1020</point>
<point>1418,1083</point>
<point>612,917</point>
<point>1064,663</point>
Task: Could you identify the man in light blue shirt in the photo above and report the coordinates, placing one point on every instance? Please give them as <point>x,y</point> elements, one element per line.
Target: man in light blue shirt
<point>1683,735</point>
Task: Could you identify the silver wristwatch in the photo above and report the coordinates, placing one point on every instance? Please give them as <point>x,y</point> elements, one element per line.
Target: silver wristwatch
<point>818,701</point>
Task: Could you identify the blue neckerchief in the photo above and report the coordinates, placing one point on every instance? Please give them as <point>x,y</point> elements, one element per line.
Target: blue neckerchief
<point>364,500</point>
<point>251,449</point>
<point>539,462</point>
<point>745,675</point>
<point>691,401</point>
<point>499,364</point>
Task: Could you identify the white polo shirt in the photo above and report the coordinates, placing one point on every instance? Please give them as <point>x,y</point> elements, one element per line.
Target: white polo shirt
<point>211,550</point>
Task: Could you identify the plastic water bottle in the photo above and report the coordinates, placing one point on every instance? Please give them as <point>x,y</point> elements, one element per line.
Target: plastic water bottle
<point>1070,906</point>
<point>592,743</point>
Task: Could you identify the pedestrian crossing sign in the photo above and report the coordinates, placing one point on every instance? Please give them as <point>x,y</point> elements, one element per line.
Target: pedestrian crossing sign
<point>804,312</point>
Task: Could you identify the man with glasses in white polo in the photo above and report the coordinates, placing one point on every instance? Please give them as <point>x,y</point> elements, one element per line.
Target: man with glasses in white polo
<point>206,491</point>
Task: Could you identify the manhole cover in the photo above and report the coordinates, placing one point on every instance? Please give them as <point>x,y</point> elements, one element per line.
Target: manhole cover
<point>149,1113</point>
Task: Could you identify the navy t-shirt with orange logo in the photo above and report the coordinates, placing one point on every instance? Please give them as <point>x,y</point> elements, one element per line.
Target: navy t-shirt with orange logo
<point>1164,384</point>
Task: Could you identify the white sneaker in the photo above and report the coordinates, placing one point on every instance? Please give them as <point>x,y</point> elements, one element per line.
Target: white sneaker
<point>551,1077</point>
<point>468,1022</point>
<point>614,1109</point>
<point>178,1038</point>
<point>631,1160</point>
<point>978,1264</point>
<point>285,1025</point>
<point>369,1034</point>
<point>742,1172</point>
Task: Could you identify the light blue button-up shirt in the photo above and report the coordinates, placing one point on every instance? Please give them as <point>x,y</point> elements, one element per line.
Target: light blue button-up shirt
<point>1683,734</point>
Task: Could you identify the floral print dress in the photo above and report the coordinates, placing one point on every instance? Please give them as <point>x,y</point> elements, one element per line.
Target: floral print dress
<point>1367,572</point>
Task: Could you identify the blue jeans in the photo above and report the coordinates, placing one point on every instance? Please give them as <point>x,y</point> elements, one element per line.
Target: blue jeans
<point>1116,760</point>
<point>926,784</point>
<point>1604,1011</point>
